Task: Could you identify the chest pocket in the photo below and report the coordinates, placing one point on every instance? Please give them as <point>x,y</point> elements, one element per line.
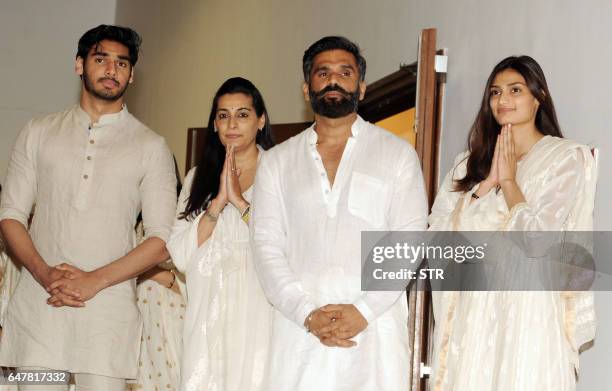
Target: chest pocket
<point>367,199</point>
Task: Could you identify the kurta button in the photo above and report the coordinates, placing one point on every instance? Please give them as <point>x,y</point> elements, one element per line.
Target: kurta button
<point>91,141</point>
<point>88,157</point>
<point>85,176</point>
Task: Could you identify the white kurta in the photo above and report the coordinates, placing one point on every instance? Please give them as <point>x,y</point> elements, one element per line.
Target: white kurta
<point>510,341</point>
<point>227,322</point>
<point>89,186</point>
<point>306,237</point>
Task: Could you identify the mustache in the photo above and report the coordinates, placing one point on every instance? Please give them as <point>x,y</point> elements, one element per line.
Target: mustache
<point>333,88</point>
<point>109,78</point>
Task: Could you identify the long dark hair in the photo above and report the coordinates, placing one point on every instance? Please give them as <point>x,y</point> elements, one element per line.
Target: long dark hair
<point>205,186</point>
<point>484,131</point>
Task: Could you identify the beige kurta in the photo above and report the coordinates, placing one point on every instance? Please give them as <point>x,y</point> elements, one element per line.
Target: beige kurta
<point>88,185</point>
<point>510,341</point>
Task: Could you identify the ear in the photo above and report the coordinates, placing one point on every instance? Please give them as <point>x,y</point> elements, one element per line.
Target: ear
<point>306,90</point>
<point>78,66</point>
<point>131,76</point>
<point>362,89</point>
<point>261,122</point>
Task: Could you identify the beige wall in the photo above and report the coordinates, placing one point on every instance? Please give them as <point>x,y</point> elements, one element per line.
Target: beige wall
<point>38,40</point>
<point>192,46</point>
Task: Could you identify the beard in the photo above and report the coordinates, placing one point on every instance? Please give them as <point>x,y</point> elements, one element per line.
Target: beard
<point>102,93</point>
<point>337,107</point>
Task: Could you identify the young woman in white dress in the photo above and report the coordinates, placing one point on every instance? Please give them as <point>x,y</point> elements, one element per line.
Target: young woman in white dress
<point>519,174</point>
<point>227,321</point>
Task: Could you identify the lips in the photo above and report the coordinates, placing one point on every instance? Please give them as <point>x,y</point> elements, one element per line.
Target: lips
<point>334,95</point>
<point>109,83</point>
<point>232,136</point>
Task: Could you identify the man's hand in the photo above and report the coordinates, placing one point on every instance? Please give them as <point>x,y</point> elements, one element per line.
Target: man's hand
<point>336,324</point>
<point>48,276</point>
<point>321,319</point>
<point>75,288</point>
<point>347,324</point>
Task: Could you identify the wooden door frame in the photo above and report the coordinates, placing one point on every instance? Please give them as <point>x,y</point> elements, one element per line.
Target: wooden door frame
<point>428,124</point>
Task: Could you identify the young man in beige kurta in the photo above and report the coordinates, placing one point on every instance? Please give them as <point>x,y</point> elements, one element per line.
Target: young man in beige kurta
<point>90,170</point>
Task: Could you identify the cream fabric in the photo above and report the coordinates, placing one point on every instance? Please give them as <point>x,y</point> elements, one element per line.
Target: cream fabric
<point>163,312</point>
<point>502,341</point>
<point>306,236</point>
<point>9,275</point>
<point>227,323</point>
<point>88,185</point>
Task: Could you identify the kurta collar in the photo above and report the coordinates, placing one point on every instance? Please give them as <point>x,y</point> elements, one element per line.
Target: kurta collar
<point>106,119</point>
<point>356,128</point>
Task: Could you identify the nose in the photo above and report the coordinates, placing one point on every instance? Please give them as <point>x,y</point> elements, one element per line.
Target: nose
<point>233,123</point>
<point>111,68</point>
<point>333,78</point>
<point>504,98</point>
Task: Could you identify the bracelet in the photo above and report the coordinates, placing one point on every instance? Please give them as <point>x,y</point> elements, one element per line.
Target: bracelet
<point>173,279</point>
<point>246,214</point>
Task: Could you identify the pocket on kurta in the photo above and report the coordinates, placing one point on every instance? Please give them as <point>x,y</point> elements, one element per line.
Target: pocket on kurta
<point>367,198</point>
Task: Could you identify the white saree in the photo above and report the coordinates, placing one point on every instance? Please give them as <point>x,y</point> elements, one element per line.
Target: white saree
<point>502,341</point>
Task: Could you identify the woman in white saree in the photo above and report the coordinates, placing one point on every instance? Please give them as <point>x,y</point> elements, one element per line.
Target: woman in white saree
<point>518,175</point>
<point>227,320</point>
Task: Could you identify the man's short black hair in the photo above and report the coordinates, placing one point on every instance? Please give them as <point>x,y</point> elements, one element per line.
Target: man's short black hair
<point>332,43</point>
<point>124,35</point>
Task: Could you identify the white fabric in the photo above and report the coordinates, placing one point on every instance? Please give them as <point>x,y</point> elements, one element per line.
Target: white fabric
<point>162,311</point>
<point>227,322</point>
<point>502,341</point>
<point>9,276</point>
<point>82,382</point>
<point>306,236</point>
<point>88,185</point>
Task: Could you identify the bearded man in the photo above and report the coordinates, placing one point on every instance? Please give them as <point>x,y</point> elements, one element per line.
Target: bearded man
<point>90,170</point>
<point>314,194</point>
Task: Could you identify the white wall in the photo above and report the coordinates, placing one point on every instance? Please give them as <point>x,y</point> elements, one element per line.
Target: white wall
<point>191,46</point>
<point>38,40</point>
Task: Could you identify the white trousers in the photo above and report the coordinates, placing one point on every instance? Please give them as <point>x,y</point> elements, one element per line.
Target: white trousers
<point>82,381</point>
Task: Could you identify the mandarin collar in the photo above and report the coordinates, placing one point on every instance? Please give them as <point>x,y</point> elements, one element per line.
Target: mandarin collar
<point>105,119</point>
<point>356,128</point>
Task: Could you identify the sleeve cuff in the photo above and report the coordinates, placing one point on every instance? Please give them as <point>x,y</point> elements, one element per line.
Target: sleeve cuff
<point>302,314</point>
<point>13,214</point>
<point>365,310</point>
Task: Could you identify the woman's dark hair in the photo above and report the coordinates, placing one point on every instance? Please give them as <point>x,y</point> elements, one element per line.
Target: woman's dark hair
<point>205,185</point>
<point>484,131</point>
<point>124,35</point>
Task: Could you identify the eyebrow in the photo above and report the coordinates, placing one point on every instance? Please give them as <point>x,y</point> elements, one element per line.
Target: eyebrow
<point>327,67</point>
<point>241,108</point>
<point>104,54</point>
<point>511,84</point>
